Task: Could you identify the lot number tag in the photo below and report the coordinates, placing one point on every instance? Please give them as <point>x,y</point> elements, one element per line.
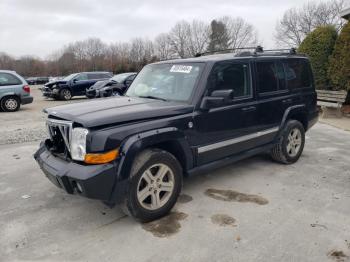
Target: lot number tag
<point>181,69</point>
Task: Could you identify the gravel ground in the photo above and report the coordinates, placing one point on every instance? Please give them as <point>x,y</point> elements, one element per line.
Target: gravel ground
<point>28,124</point>
<point>253,210</point>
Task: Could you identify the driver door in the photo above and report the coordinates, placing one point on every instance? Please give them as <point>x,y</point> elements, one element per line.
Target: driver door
<point>80,83</point>
<point>227,129</point>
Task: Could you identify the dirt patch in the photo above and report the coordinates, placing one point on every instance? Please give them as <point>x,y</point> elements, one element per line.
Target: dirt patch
<point>184,199</point>
<point>166,226</point>
<point>223,220</point>
<point>230,195</point>
<point>338,255</point>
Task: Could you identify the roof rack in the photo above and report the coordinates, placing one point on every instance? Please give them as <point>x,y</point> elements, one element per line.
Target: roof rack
<point>258,51</point>
<point>230,50</point>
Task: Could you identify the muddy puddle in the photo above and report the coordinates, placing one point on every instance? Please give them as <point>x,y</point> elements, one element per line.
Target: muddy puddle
<point>184,199</point>
<point>338,255</point>
<point>165,226</point>
<point>223,220</point>
<point>230,195</point>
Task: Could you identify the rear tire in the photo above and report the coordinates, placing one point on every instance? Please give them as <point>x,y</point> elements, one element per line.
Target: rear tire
<point>291,143</point>
<point>65,94</point>
<point>10,104</point>
<point>155,184</point>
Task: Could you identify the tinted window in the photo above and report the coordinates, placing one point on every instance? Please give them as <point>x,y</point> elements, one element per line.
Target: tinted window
<point>81,77</point>
<point>94,76</point>
<point>9,80</point>
<point>270,76</point>
<point>231,76</point>
<point>298,73</point>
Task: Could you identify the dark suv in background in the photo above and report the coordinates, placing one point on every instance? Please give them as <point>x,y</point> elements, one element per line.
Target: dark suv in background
<point>73,85</point>
<point>180,117</point>
<point>116,86</point>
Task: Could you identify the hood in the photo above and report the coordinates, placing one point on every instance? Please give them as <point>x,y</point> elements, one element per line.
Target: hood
<point>118,110</point>
<point>50,84</point>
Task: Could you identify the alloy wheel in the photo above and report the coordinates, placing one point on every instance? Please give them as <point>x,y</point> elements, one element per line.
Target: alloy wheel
<point>67,95</point>
<point>155,187</point>
<point>294,142</point>
<point>11,104</point>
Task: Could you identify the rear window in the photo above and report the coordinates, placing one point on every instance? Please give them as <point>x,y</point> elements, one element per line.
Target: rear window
<point>7,79</point>
<point>298,73</point>
<point>270,76</point>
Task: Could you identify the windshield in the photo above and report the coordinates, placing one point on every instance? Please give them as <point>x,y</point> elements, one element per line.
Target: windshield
<point>70,77</point>
<point>120,77</point>
<point>166,81</point>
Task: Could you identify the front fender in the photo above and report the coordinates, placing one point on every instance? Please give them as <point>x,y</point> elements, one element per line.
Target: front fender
<point>135,144</point>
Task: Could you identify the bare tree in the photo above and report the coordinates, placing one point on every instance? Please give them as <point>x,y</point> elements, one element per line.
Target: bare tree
<point>240,33</point>
<point>162,46</point>
<point>6,62</point>
<point>179,35</point>
<point>296,23</point>
<point>198,37</point>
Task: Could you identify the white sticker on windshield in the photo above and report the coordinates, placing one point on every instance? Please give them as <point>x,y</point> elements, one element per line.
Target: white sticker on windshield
<point>181,69</point>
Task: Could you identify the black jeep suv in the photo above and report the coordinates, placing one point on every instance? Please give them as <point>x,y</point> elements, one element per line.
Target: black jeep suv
<point>73,85</point>
<point>179,117</point>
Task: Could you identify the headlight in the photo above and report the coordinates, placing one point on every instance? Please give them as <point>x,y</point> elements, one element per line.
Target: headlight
<point>78,143</point>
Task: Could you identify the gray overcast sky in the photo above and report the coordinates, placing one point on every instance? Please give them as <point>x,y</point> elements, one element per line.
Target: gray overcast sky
<point>39,27</point>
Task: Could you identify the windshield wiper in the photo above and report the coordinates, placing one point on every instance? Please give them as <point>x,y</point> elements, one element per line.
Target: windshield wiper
<point>154,97</point>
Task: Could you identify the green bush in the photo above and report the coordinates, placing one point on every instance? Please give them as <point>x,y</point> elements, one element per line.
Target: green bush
<point>339,67</point>
<point>318,46</point>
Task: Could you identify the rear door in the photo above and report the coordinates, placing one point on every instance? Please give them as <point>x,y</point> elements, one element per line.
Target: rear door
<point>10,84</point>
<point>273,94</point>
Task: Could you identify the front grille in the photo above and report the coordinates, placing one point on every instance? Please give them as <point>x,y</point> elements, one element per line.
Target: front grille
<point>60,132</point>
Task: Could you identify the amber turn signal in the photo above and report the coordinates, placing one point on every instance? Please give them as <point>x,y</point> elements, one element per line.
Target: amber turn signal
<point>102,158</point>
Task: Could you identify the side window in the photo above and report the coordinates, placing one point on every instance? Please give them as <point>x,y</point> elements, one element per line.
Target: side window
<point>231,76</point>
<point>93,76</point>
<point>81,77</point>
<point>298,73</point>
<point>270,76</point>
<point>9,80</point>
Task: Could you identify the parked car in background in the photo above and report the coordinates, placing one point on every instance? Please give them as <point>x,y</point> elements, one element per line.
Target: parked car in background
<point>73,85</point>
<point>41,80</point>
<point>116,86</point>
<point>55,78</point>
<point>31,80</point>
<point>14,91</point>
<point>180,117</point>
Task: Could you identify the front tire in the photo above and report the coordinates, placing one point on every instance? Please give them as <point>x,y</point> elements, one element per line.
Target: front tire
<point>291,143</point>
<point>65,94</point>
<point>155,184</point>
<point>10,104</point>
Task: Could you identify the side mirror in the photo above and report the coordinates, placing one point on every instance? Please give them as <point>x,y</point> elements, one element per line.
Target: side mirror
<point>216,99</point>
<point>75,80</point>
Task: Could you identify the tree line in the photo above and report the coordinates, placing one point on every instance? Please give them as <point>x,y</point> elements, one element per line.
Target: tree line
<point>184,39</point>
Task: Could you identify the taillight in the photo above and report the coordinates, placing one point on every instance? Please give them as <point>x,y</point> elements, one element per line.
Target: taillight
<point>26,89</point>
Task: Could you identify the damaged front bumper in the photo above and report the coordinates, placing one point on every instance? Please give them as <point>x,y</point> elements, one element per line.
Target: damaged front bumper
<point>91,181</point>
<point>48,92</point>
